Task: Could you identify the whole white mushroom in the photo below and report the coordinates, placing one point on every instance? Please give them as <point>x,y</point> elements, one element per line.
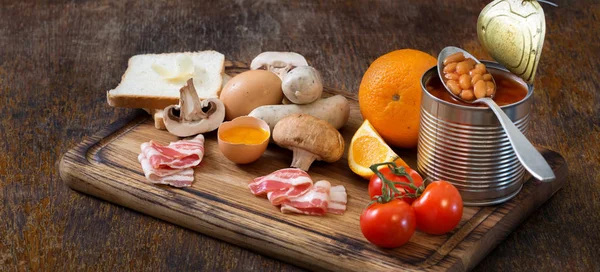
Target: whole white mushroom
<point>302,85</point>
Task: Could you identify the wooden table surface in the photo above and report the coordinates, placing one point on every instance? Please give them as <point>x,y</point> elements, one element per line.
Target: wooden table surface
<point>57,59</point>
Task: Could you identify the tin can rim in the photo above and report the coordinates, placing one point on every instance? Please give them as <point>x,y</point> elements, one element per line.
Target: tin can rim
<point>490,65</point>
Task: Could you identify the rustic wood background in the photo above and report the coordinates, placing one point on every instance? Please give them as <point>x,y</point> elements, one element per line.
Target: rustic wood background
<point>57,59</point>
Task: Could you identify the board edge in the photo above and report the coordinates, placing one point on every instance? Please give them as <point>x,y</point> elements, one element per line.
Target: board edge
<point>79,152</point>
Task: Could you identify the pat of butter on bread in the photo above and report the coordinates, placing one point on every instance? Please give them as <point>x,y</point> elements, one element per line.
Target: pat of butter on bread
<point>152,81</point>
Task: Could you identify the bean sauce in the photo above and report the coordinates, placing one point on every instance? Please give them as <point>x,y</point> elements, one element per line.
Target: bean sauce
<point>508,90</point>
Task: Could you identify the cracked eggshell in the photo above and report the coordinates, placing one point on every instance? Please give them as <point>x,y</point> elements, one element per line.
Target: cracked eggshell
<point>243,153</point>
<point>250,90</point>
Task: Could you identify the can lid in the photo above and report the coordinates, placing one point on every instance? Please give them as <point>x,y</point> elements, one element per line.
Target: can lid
<point>512,32</point>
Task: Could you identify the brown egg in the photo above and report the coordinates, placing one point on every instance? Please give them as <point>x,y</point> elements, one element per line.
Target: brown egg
<point>249,90</point>
<point>244,139</point>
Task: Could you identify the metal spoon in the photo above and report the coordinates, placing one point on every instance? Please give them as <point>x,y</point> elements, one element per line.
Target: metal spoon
<point>527,154</point>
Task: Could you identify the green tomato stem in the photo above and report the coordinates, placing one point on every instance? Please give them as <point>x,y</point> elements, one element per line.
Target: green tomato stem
<point>388,188</point>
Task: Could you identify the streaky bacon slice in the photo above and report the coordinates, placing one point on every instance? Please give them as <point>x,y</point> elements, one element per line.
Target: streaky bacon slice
<point>180,179</point>
<point>155,173</point>
<point>291,181</point>
<point>172,164</point>
<point>178,155</point>
<point>314,202</point>
<point>337,200</point>
<point>278,197</point>
<point>173,177</point>
<point>293,189</point>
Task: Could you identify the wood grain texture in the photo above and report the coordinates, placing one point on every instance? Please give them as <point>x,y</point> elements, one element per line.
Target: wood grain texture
<point>220,204</point>
<point>57,59</point>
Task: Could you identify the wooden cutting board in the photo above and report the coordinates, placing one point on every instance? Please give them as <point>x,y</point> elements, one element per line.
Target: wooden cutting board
<point>220,204</point>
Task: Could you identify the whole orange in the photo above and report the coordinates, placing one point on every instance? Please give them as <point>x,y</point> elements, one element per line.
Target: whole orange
<point>390,95</point>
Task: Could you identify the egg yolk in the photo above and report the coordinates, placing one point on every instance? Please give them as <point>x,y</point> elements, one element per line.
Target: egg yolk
<point>245,135</point>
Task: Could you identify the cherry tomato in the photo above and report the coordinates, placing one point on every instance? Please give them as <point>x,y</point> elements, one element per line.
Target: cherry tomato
<point>375,182</point>
<point>439,209</point>
<point>388,224</point>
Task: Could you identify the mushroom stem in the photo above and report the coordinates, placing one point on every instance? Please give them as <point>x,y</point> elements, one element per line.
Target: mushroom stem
<point>302,158</point>
<point>191,106</point>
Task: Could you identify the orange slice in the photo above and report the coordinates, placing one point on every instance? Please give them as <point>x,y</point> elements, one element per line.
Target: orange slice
<point>368,148</point>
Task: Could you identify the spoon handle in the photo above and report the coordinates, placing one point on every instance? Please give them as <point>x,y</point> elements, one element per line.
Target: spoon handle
<point>531,159</point>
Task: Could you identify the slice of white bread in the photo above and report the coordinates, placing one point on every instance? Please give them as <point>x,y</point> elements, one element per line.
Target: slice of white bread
<point>153,81</point>
<point>159,122</point>
<point>157,115</point>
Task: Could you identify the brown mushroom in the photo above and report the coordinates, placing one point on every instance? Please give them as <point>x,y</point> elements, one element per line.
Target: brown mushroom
<point>310,139</point>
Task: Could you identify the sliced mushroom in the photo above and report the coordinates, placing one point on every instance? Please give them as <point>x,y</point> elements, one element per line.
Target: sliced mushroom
<point>278,62</point>
<point>193,116</point>
<point>310,139</point>
<point>303,85</point>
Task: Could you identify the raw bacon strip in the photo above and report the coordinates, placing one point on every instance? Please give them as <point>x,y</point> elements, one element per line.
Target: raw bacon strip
<point>155,173</point>
<point>278,197</point>
<point>180,154</point>
<point>173,177</point>
<point>314,202</point>
<point>189,146</point>
<point>181,179</point>
<point>337,200</point>
<point>293,189</point>
<point>292,181</point>
<point>158,160</point>
<point>172,164</point>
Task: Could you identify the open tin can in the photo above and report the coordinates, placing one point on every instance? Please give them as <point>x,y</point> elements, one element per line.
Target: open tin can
<point>467,146</point>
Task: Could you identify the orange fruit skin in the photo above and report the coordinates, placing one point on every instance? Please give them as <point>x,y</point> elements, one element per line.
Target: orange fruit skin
<point>390,95</point>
